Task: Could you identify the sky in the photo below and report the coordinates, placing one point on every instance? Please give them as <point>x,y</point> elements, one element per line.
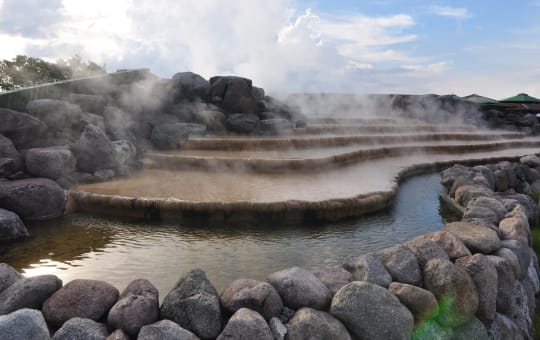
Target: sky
<point>372,46</point>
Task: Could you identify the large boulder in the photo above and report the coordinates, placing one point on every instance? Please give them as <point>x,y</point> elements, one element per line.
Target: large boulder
<point>371,312</point>
<point>368,268</point>
<point>243,123</point>
<point>473,329</point>
<point>80,328</point>
<point>522,252</point>
<point>300,288</point>
<point>484,276</point>
<point>505,283</point>
<point>57,114</point>
<point>512,259</point>
<point>515,228</point>
<point>422,303</point>
<point>89,299</point>
<point>170,136</point>
<point>165,330</point>
<point>452,245</point>
<point>194,305</point>
<point>333,278</point>
<point>137,306</point>
<point>33,199</point>
<point>425,250</point>
<point>246,324</point>
<point>94,151</point>
<point>23,324</point>
<point>255,295</point>
<point>190,86</point>
<point>23,129</point>
<point>311,324</point>
<point>401,264</point>
<point>29,292</point>
<point>51,162</point>
<point>454,289</point>
<point>88,102</point>
<point>8,276</point>
<point>233,94</point>
<point>8,167</point>
<point>478,238</point>
<point>11,227</point>
<point>503,328</point>
<point>8,150</point>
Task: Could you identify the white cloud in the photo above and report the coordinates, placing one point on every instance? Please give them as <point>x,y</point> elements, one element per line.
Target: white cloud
<point>452,12</point>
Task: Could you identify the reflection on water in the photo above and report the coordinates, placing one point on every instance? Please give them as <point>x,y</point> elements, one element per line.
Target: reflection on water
<point>118,251</point>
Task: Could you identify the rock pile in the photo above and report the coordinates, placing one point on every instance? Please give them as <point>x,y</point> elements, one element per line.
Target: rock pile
<point>475,279</point>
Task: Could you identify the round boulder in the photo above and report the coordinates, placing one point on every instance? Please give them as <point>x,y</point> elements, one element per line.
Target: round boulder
<point>8,276</point>
<point>7,150</point>
<point>165,330</point>
<point>29,292</point>
<point>425,250</point>
<point>33,199</point>
<point>243,123</point>
<point>233,94</point>
<point>194,305</point>
<point>94,150</point>
<point>80,328</point>
<point>478,238</point>
<point>57,114</point>
<point>24,324</point>
<point>300,288</point>
<point>89,299</point>
<point>333,278</point>
<point>401,264</point>
<point>372,312</point>
<point>23,129</point>
<point>190,86</point>
<point>368,268</point>
<point>422,303</point>
<point>246,324</point>
<point>11,227</point>
<point>51,162</point>
<point>255,295</point>
<point>311,324</point>
<point>449,243</point>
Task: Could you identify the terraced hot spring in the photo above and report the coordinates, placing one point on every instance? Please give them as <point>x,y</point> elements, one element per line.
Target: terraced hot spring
<point>119,251</point>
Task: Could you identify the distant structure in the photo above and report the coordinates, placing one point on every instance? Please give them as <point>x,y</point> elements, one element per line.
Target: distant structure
<point>475,98</point>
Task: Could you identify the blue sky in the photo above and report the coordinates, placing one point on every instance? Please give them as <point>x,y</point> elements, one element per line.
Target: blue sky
<point>371,46</point>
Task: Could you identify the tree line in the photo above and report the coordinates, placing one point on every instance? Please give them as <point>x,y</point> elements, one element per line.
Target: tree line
<point>23,71</point>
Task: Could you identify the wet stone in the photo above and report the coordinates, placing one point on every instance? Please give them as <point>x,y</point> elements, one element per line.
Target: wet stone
<point>402,265</point>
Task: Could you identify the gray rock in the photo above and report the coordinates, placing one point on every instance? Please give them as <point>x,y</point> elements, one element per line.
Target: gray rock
<point>368,268</point>
<point>422,303</point>
<point>286,314</point>
<point>452,245</point>
<point>234,94</point>
<point>118,123</point>
<point>8,276</point>
<point>371,312</point>
<point>431,330</point>
<point>94,150</point>
<point>515,228</point>
<point>137,306</point>
<point>311,324</point>
<point>259,296</point>
<point>57,114</point>
<point>90,118</point>
<point>501,180</point>
<point>125,152</point>
<point>479,213</point>
<point>520,313</point>
<point>11,227</point>
<point>476,237</point>
<point>532,161</point>
<point>51,162</point>
<point>88,299</point>
<point>8,167</point>
<point>242,123</point>
<point>23,324</point>
<point>512,259</point>
<point>503,328</point>
<point>466,193</point>
<point>246,324</point>
<point>300,288</point>
<point>532,276</point>
<point>21,128</point>
<point>454,289</point>
<point>333,278</point>
<point>103,175</point>
<point>401,264</point>
<point>473,329</point>
<point>522,252</point>
<point>425,250</point>
<point>484,276</point>
<point>279,331</point>
<point>8,150</point>
<point>165,330</point>
<point>213,120</point>
<point>170,136</point>
<point>33,199</point>
<point>194,305</point>
<point>118,335</point>
<point>190,86</point>
<point>88,102</point>
<point>28,292</point>
<point>80,328</point>
<point>505,283</point>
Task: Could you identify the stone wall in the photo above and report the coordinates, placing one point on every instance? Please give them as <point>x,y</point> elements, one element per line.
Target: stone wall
<point>474,279</point>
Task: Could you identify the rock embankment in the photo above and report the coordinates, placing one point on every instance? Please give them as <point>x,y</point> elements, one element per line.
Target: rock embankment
<point>475,279</point>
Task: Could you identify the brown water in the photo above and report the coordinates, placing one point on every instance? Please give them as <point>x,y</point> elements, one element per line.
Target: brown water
<point>118,251</point>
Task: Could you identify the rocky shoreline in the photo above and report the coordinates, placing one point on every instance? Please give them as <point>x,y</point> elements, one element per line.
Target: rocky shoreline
<point>474,279</point>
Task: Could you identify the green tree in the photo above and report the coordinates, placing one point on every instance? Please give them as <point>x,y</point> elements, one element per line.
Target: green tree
<point>24,71</point>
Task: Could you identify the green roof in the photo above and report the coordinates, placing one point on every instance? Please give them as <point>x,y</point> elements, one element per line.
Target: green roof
<point>521,98</point>
<point>474,98</point>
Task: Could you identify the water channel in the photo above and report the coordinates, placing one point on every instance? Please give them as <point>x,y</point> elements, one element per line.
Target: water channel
<point>118,251</point>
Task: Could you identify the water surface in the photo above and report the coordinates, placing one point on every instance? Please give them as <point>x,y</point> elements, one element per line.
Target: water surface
<point>119,251</point>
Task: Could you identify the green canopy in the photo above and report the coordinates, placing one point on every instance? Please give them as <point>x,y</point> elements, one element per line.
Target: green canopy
<point>521,98</point>
<point>474,98</point>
